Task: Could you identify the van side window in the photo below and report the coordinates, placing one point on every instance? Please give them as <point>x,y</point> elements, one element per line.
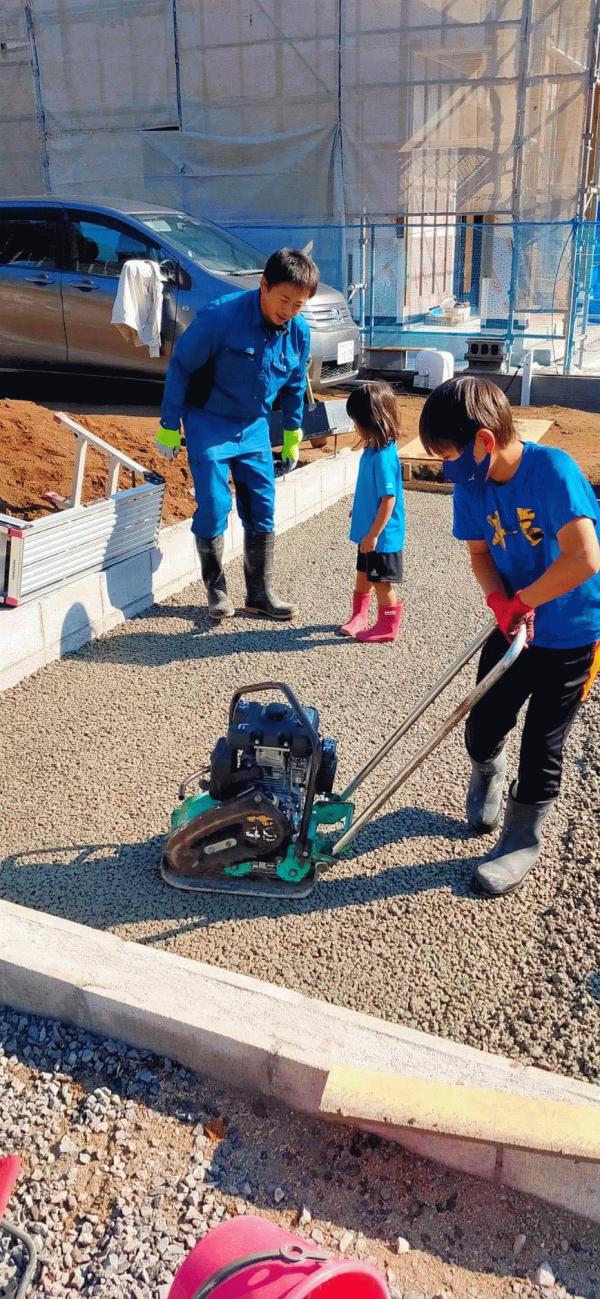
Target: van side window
<point>100,248</point>
<point>27,241</point>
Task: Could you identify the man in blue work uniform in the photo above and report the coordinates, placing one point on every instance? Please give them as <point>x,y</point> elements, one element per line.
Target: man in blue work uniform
<point>255,347</point>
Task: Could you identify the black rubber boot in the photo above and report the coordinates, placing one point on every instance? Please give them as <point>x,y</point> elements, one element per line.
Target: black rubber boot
<point>484,795</point>
<point>210,551</point>
<point>517,849</point>
<point>259,548</point>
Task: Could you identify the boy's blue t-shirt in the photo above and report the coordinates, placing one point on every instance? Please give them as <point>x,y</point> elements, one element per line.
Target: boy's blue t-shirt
<point>379,474</point>
<point>520,521</point>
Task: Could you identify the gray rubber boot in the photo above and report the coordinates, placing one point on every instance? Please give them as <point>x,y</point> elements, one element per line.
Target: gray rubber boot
<point>210,551</point>
<point>484,795</point>
<point>259,550</point>
<point>517,849</point>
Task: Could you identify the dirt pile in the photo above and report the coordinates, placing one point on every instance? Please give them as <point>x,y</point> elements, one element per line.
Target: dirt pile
<point>37,453</point>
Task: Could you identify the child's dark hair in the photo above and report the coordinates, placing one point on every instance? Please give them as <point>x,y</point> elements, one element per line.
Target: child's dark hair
<point>290,266</point>
<point>374,409</point>
<point>454,413</point>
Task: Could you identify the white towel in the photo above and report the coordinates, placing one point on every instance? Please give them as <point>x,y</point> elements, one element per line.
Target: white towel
<point>137,309</point>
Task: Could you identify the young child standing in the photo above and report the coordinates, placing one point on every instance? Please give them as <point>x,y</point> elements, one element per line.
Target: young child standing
<point>377,521</point>
<point>532,525</point>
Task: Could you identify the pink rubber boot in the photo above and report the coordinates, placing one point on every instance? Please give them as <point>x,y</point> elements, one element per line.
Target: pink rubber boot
<point>387,626</point>
<point>360,614</point>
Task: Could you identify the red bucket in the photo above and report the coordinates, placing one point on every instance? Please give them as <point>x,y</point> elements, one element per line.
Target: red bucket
<point>252,1258</point>
<point>10,1167</point>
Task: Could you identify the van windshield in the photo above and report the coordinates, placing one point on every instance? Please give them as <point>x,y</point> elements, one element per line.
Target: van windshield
<point>216,249</point>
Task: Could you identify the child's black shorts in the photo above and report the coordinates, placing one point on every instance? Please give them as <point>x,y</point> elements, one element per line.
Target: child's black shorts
<point>381,566</point>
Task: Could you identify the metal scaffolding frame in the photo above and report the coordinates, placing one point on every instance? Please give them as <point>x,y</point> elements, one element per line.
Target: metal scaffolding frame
<point>414,111</point>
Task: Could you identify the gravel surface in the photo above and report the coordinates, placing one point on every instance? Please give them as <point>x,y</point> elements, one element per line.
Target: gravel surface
<point>94,747</point>
<point>129,1160</point>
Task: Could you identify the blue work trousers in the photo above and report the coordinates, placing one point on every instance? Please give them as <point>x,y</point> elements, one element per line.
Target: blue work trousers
<point>253,476</point>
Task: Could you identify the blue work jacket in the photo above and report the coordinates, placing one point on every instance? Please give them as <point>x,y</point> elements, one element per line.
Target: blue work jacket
<point>253,362</point>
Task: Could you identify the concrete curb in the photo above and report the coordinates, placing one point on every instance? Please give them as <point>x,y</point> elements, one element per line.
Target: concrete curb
<point>42,630</point>
<point>268,1039</point>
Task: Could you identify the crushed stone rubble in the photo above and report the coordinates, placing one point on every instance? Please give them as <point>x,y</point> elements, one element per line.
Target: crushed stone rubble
<point>92,750</point>
<point>129,1159</point>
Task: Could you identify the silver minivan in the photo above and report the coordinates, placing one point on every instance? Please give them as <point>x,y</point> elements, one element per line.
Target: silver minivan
<point>60,261</point>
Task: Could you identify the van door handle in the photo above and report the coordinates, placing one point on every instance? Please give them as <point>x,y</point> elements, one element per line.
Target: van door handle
<point>38,279</point>
<point>86,286</point>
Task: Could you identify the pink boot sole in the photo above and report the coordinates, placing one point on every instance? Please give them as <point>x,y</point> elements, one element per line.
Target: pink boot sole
<point>385,629</point>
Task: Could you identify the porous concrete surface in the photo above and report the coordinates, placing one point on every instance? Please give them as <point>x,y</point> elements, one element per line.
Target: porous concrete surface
<point>129,1160</point>
<point>93,748</point>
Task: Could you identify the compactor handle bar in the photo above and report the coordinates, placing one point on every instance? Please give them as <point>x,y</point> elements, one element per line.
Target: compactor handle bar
<point>459,712</point>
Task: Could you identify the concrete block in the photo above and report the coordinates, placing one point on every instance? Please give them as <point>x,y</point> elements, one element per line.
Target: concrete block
<point>351,469</point>
<point>227,546</point>
<point>237,534</point>
<point>127,587</point>
<point>572,1183</point>
<point>10,676</point>
<point>440,1108</point>
<point>72,615</point>
<point>309,490</point>
<point>21,634</point>
<point>466,1156</point>
<point>270,1039</point>
<point>333,481</point>
<point>41,630</point>
<point>176,561</point>
<point>285,504</point>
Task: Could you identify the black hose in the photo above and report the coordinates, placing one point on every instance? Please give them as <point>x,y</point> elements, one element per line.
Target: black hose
<point>32,1266</point>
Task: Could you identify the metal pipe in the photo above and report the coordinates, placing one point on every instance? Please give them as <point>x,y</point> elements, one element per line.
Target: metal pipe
<point>112,453</point>
<point>371,284</point>
<point>587,144</point>
<point>420,708</point>
<point>459,712</point>
<point>362,275</point>
<point>573,295</point>
<point>526,377</point>
<point>517,174</point>
<point>40,112</point>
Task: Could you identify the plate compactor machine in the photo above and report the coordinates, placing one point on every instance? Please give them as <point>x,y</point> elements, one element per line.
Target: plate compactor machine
<point>266,818</point>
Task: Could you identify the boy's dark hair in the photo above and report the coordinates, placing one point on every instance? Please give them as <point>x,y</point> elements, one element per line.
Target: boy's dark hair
<point>290,266</point>
<point>454,413</point>
<point>374,409</point>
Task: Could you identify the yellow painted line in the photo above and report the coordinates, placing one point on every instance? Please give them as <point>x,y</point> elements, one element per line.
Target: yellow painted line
<point>530,430</point>
<point>473,1113</point>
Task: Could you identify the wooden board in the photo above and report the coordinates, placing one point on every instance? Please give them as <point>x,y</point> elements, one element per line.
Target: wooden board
<point>530,430</point>
<point>527,1122</point>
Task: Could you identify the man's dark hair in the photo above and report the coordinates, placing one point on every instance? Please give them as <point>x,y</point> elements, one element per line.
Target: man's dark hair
<point>454,413</point>
<point>290,266</point>
<point>375,411</point>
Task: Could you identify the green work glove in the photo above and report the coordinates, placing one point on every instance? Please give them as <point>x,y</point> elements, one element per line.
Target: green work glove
<point>168,442</point>
<point>292,438</point>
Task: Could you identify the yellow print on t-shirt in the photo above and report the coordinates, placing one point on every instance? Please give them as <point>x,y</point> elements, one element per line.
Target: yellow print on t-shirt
<point>499,532</point>
<point>526,518</point>
<point>531,534</point>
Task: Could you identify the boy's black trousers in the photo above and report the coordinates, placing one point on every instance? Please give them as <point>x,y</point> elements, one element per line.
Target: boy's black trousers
<point>555,681</point>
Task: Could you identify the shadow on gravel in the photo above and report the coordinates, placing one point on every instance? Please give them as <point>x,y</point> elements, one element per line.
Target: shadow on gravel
<point>202,640</point>
<point>107,885</point>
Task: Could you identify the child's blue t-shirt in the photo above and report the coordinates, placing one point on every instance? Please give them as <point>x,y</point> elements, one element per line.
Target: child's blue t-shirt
<point>379,474</point>
<point>520,521</point>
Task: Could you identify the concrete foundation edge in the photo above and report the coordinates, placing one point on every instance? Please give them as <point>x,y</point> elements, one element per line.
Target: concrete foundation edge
<point>270,1040</point>
<point>43,630</point>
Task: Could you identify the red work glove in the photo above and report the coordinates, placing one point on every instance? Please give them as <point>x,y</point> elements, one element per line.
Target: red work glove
<point>509,612</point>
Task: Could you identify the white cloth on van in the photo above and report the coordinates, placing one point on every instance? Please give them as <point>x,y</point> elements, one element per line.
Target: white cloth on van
<point>137,309</point>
